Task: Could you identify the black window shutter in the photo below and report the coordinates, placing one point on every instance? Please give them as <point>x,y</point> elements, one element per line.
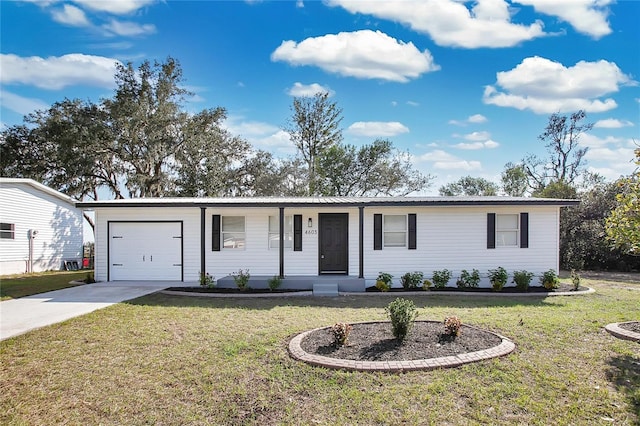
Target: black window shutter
<point>412,231</point>
<point>491,230</point>
<point>377,232</point>
<point>524,230</point>
<point>297,232</point>
<point>215,234</point>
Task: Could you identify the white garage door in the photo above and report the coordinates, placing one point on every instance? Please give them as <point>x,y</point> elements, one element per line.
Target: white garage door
<point>145,251</point>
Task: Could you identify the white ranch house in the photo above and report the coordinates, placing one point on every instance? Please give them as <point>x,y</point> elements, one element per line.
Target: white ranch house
<point>40,228</point>
<point>349,239</point>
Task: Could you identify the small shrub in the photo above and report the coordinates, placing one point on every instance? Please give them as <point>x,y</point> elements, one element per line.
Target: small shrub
<point>575,279</point>
<point>341,333</point>
<point>402,313</point>
<point>498,278</point>
<point>241,278</point>
<point>90,279</point>
<point>452,326</point>
<point>522,279</point>
<point>411,280</point>
<point>274,282</point>
<point>468,280</point>
<point>441,278</point>
<point>206,280</point>
<point>426,285</point>
<point>383,282</point>
<point>550,280</point>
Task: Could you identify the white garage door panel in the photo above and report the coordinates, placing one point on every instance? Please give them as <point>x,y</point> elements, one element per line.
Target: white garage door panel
<point>145,251</point>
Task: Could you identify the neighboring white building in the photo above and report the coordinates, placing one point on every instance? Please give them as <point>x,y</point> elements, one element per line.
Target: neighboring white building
<point>346,237</point>
<point>40,228</point>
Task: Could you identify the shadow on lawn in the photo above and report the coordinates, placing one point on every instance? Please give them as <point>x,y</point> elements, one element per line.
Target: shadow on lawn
<point>624,374</point>
<point>365,302</point>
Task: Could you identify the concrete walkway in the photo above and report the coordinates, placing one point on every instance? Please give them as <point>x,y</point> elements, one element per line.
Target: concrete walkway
<point>18,316</point>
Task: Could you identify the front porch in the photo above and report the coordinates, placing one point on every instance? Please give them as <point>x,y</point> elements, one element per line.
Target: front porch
<point>346,283</point>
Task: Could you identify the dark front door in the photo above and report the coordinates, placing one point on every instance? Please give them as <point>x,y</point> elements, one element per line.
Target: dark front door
<point>333,238</point>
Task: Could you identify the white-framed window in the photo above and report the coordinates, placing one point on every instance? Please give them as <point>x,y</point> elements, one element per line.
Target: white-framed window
<point>233,232</point>
<point>507,230</point>
<point>7,231</point>
<point>394,230</point>
<point>274,232</point>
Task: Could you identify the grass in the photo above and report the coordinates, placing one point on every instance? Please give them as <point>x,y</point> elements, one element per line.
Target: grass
<point>12,287</point>
<point>180,360</point>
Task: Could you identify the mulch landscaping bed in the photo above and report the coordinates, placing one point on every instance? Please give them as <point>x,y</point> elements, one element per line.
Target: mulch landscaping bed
<point>631,326</point>
<point>510,289</point>
<point>375,342</point>
<point>231,290</point>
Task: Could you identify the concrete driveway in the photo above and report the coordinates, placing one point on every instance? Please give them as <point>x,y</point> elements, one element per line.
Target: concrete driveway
<point>18,316</point>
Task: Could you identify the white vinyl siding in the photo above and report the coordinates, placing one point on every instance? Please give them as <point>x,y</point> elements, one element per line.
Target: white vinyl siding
<point>233,232</point>
<point>274,232</point>
<point>507,230</point>
<point>394,230</point>
<point>58,222</point>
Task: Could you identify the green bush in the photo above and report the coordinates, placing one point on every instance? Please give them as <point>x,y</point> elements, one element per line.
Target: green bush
<point>522,279</point>
<point>411,280</point>
<point>207,280</point>
<point>469,280</point>
<point>550,280</point>
<point>274,282</point>
<point>340,333</point>
<point>426,285</point>
<point>402,313</point>
<point>241,278</point>
<point>575,280</point>
<point>498,278</point>
<point>441,278</point>
<point>383,282</point>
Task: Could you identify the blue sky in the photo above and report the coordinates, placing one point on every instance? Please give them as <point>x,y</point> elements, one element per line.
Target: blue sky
<point>463,86</point>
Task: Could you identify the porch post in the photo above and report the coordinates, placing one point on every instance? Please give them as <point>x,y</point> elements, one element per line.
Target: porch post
<point>281,245</point>
<point>203,219</point>
<point>361,241</point>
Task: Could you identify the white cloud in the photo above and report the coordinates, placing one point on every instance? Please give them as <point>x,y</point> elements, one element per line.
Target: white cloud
<point>442,160</point>
<point>361,54</point>
<point>128,29</point>
<point>261,135</point>
<point>450,22</point>
<point>545,86</point>
<point>377,128</point>
<point>477,136</point>
<point>477,145</point>
<point>20,104</point>
<point>473,119</point>
<point>612,123</point>
<point>413,103</point>
<point>57,72</point>
<point>70,15</point>
<point>586,16</point>
<point>477,119</point>
<point>309,90</point>
<point>114,7</point>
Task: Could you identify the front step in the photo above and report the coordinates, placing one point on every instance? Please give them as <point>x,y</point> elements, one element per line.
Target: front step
<point>325,289</point>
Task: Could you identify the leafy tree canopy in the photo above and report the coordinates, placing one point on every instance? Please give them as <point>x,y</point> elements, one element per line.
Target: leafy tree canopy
<point>623,225</point>
<point>469,186</point>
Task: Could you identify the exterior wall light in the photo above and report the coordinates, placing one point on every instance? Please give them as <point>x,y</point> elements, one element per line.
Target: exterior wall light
<point>310,223</point>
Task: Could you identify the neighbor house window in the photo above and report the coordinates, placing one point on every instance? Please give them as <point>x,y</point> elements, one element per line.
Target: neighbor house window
<point>395,231</point>
<point>507,230</point>
<point>274,232</point>
<point>7,231</point>
<point>233,232</point>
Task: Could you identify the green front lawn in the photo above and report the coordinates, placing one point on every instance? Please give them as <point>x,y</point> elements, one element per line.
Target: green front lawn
<point>16,286</point>
<point>185,360</point>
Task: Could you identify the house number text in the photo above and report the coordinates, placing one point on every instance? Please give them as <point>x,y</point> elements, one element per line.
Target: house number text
<point>311,231</point>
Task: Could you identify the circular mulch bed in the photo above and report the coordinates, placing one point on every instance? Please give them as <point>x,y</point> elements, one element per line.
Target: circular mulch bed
<point>625,330</point>
<point>372,347</point>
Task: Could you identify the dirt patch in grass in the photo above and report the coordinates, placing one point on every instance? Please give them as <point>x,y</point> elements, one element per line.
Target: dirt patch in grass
<point>631,326</point>
<point>375,342</point>
<point>231,290</point>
